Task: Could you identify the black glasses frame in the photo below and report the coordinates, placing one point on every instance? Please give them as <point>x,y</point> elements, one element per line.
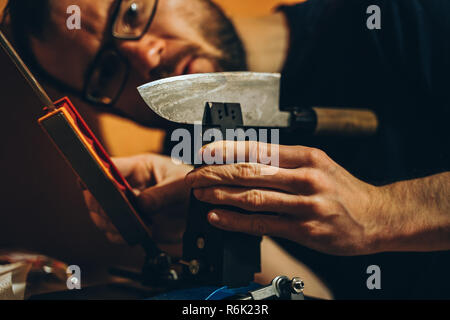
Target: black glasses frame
<point>91,70</point>
<point>110,46</point>
<point>149,22</point>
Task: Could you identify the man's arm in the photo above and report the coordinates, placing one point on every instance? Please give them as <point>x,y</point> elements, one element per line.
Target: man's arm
<point>415,215</point>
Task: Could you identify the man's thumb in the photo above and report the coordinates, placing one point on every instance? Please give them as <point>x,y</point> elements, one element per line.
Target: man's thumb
<point>160,197</point>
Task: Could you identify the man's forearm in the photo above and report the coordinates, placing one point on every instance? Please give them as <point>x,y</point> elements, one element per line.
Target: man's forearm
<point>414,215</point>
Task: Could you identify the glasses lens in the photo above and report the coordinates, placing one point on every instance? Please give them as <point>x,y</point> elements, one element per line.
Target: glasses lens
<point>107,79</point>
<point>133,18</point>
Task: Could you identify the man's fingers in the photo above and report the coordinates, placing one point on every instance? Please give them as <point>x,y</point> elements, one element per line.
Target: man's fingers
<point>163,196</point>
<point>256,200</point>
<point>92,204</point>
<point>125,165</point>
<point>137,170</point>
<point>258,225</point>
<point>106,226</point>
<point>100,219</point>
<point>102,223</point>
<point>115,237</point>
<point>252,151</point>
<point>242,174</point>
<point>171,224</point>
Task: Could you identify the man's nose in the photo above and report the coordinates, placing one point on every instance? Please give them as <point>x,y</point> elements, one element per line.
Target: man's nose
<point>145,54</point>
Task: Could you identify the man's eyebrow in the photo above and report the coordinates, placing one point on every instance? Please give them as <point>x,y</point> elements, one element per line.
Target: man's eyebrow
<point>107,36</point>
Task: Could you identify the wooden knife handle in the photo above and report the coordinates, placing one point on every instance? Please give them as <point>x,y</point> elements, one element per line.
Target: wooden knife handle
<point>345,122</point>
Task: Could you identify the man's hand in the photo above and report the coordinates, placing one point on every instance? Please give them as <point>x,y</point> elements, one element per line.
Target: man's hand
<point>162,197</point>
<point>316,203</point>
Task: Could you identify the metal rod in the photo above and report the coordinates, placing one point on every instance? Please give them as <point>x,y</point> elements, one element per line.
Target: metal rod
<point>37,88</point>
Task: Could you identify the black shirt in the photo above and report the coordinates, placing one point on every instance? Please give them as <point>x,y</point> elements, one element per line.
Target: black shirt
<point>402,72</point>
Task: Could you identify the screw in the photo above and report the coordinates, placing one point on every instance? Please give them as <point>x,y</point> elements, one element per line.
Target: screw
<point>173,275</point>
<point>194,267</point>
<point>201,243</point>
<point>297,285</point>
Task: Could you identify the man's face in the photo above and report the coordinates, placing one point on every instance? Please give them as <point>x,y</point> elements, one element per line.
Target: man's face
<point>186,36</point>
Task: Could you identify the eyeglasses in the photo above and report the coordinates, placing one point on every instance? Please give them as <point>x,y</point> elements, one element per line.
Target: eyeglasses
<point>108,74</point>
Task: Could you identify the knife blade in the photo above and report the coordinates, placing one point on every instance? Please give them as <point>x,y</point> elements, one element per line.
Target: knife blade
<point>182,99</point>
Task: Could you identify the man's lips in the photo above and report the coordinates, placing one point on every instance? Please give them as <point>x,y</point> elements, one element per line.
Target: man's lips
<point>191,64</point>
<point>184,66</point>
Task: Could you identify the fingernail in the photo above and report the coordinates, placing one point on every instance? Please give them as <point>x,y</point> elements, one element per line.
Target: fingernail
<point>213,218</point>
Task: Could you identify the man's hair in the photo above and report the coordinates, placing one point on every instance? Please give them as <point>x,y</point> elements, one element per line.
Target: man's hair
<point>225,38</point>
<point>26,19</point>
<point>30,17</point>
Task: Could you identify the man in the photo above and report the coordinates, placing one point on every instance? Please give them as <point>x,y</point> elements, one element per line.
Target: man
<point>328,56</point>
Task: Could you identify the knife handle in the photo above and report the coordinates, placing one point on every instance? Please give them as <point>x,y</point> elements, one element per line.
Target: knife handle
<point>323,121</point>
